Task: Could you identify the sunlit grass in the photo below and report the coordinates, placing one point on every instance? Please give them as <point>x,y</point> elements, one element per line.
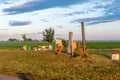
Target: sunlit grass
<point>48,65</point>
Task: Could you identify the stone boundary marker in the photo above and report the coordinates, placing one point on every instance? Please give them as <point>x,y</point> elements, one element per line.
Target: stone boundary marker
<point>43,48</point>
<point>115,56</point>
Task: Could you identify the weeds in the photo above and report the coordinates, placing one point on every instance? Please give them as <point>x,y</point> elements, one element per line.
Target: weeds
<point>47,65</point>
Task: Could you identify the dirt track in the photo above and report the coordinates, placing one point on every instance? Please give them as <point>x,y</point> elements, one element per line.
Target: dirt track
<point>4,77</point>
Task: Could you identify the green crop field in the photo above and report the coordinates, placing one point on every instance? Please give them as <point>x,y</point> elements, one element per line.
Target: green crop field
<point>19,45</point>
<point>90,45</point>
<point>104,45</point>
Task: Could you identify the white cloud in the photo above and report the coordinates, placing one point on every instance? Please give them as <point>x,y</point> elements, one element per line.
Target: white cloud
<point>54,17</point>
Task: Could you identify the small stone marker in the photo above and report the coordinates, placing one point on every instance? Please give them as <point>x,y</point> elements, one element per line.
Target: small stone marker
<point>24,48</point>
<point>50,47</point>
<point>35,49</point>
<point>38,49</point>
<point>115,56</point>
<point>58,42</point>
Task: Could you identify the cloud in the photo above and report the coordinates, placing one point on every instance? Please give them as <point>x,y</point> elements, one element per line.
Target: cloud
<point>98,20</point>
<point>4,29</point>
<point>19,23</point>
<point>65,14</point>
<point>101,21</point>
<point>60,27</point>
<point>7,1</point>
<point>35,33</point>
<point>92,12</point>
<point>44,20</point>
<point>58,35</point>
<point>109,11</point>
<point>34,5</point>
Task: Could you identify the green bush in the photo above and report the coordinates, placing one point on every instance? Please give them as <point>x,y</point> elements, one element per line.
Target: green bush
<point>65,43</point>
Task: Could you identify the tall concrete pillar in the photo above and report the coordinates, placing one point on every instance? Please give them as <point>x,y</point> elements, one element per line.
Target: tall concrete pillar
<point>70,44</point>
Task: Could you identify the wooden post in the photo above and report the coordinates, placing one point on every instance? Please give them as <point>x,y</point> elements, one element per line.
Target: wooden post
<point>83,38</point>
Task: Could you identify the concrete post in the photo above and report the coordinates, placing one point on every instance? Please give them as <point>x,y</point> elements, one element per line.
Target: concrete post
<point>70,44</point>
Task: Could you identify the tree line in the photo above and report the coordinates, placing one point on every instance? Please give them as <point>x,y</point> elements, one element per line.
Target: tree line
<point>48,36</point>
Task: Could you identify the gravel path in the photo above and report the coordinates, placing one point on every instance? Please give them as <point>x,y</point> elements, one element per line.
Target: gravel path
<point>5,77</point>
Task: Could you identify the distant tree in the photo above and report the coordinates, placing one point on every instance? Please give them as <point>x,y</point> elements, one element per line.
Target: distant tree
<point>24,38</point>
<point>29,39</point>
<point>36,40</point>
<point>12,40</point>
<point>65,42</point>
<point>48,35</point>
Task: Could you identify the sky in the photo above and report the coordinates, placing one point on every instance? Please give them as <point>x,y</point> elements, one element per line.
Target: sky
<point>31,17</point>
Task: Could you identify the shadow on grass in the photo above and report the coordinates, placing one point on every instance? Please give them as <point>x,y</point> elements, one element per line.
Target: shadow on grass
<point>23,76</point>
<point>117,62</point>
<point>19,75</point>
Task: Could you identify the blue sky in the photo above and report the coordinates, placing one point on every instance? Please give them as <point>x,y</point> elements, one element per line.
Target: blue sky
<point>31,17</point>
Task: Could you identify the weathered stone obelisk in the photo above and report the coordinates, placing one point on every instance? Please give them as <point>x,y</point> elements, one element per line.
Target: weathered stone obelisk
<point>70,44</point>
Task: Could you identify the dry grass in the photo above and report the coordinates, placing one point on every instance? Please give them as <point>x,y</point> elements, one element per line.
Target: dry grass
<point>49,66</point>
